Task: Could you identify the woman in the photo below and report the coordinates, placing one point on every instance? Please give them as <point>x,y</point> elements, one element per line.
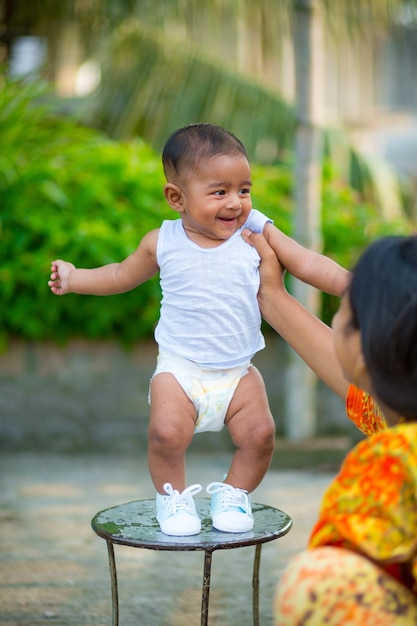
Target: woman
<point>361,562</point>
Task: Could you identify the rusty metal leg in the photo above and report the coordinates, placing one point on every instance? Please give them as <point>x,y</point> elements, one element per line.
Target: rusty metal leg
<point>255,584</point>
<point>113,580</point>
<point>206,588</point>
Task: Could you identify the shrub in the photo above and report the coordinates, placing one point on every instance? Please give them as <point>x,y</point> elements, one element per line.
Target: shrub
<point>67,191</point>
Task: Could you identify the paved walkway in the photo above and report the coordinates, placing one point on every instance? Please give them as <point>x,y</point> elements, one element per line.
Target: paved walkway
<point>54,571</point>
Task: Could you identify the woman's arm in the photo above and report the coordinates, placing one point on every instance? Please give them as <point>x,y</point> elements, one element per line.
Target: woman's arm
<point>305,333</point>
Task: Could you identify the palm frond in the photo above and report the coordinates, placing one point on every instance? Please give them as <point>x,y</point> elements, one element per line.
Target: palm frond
<point>360,16</point>
<point>153,85</point>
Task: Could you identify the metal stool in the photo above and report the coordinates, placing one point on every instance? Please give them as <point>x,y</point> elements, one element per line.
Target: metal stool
<point>134,524</point>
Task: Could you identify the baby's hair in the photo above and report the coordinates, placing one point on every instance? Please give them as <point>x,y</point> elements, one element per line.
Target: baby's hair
<point>383,297</point>
<point>188,146</point>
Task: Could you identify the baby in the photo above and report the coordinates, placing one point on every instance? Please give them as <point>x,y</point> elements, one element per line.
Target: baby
<point>210,324</point>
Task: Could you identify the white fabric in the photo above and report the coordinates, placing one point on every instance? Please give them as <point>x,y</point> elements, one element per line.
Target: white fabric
<point>209,310</point>
<point>209,390</point>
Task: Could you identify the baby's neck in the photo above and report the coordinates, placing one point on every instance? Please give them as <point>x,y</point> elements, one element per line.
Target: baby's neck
<point>203,241</point>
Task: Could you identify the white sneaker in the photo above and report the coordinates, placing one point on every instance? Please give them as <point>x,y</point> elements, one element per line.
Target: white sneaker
<point>230,508</point>
<point>176,512</point>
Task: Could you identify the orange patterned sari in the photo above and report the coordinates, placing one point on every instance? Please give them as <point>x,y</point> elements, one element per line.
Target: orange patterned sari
<point>361,566</point>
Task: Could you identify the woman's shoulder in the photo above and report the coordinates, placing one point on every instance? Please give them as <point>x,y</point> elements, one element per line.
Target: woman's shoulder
<point>384,464</point>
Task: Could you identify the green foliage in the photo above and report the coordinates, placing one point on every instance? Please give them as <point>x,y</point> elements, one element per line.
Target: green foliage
<point>349,223</point>
<point>349,226</point>
<point>69,192</point>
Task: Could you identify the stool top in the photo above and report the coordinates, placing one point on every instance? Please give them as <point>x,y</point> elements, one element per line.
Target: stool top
<point>134,524</point>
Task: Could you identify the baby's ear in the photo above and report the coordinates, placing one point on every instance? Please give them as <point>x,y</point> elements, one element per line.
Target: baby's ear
<point>173,196</point>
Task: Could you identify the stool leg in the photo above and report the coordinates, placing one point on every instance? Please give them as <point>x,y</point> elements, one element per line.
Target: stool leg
<point>206,588</point>
<point>255,584</point>
<point>113,580</point>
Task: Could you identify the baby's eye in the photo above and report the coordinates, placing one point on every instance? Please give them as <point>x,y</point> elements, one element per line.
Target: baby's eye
<point>244,192</point>
<point>219,192</point>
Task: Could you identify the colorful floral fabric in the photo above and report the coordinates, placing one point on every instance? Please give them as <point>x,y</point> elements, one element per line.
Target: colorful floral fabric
<point>364,413</point>
<point>361,565</point>
<point>335,587</point>
<point>371,506</point>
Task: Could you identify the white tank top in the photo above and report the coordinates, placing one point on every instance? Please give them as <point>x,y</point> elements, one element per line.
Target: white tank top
<point>209,310</point>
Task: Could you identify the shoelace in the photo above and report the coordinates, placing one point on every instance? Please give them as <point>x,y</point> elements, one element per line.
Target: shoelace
<point>230,496</point>
<point>179,501</point>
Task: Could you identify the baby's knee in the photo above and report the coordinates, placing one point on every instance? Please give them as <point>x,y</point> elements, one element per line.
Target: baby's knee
<point>162,435</point>
<point>266,431</point>
<point>167,437</point>
<point>262,436</point>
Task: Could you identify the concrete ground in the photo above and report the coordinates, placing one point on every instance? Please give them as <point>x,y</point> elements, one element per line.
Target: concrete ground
<point>54,569</point>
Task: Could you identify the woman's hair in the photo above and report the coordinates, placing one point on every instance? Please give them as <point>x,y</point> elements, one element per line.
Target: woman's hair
<point>190,145</point>
<point>383,297</point>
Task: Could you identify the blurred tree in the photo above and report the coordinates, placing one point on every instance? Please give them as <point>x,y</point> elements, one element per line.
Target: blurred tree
<point>220,52</point>
<point>308,20</point>
<point>300,400</point>
<point>156,84</point>
<point>71,30</point>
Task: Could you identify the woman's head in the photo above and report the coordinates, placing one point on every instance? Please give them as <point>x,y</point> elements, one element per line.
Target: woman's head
<point>382,300</point>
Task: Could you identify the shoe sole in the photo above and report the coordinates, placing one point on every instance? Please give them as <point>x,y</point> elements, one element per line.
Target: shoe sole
<point>233,529</point>
<point>171,534</point>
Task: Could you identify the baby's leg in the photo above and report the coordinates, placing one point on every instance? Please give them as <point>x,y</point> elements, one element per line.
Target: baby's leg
<point>252,429</point>
<point>171,429</point>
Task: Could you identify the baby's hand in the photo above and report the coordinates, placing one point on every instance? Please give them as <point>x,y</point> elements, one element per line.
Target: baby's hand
<point>60,271</point>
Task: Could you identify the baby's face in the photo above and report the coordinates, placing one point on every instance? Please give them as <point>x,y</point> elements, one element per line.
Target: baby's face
<point>216,199</point>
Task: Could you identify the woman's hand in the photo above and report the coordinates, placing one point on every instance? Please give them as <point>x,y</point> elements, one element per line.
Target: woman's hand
<point>270,269</point>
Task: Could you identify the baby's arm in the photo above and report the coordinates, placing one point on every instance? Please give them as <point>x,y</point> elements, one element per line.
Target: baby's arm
<point>109,279</point>
<point>306,265</point>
